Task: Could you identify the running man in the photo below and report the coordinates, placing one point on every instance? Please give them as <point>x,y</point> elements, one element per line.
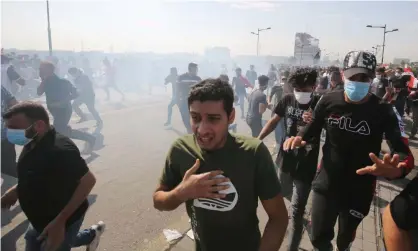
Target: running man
<point>355,122</point>
<point>172,79</point>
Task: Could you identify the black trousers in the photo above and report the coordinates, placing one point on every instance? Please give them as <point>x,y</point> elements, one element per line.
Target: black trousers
<point>414,128</point>
<point>350,210</point>
<point>62,117</point>
<point>255,126</point>
<point>90,102</point>
<point>8,158</point>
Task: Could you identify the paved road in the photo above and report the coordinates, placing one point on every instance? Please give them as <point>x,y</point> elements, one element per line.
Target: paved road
<point>127,164</point>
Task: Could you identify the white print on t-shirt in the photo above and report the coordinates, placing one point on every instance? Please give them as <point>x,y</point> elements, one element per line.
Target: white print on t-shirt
<point>356,214</point>
<point>223,204</point>
<point>345,123</point>
<point>295,112</point>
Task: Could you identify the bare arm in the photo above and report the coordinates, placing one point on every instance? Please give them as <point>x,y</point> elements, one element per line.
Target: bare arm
<point>165,200</point>
<point>395,238</point>
<point>262,108</point>
<point>269,127</point>
<point>275,229</point>
<point>83,189</point>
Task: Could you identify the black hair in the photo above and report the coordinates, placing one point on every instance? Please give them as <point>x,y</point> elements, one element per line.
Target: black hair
<point>224,77</point>
<point>73,70</point>
<point>336,77</point>
<point>333,69</point>
<point>32,110</point>
<point>400,69</point>
<point>238,69</point>
<point>303,77</point>
<point>263,80</point>
<point>381,70</point>
<point>192,65</point>
<point>213,90</point>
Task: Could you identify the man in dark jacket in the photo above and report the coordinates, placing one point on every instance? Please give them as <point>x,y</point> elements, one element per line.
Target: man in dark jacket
<point>86,95</point>
<point>59,93</point>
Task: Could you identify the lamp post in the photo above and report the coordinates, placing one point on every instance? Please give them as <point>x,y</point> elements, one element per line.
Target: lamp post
<point>258,36</point>
<point>49,29</point>
<point>384,37</point>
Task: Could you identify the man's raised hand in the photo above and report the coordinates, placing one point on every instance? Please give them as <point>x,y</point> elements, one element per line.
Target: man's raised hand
<point>204,185</point>
<point>388,167</point>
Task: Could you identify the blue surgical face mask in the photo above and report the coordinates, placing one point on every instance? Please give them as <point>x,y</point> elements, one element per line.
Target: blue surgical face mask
<point>356,91</point>
<point>17,137</point>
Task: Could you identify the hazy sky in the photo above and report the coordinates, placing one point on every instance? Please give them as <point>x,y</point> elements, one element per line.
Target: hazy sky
<point>192,26</point>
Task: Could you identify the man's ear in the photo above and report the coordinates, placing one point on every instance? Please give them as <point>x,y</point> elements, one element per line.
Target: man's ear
<point>231,118</point>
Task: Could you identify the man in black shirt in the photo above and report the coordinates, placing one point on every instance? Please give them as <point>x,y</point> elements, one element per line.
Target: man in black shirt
<point>251,75</point>
<point>381,85</point>
<point>355,122</point>
<point>296,169</point>
<point>86,95</point>
<point>9,75</point>
<point>257,105</point>
<point>59,92</point>
<point>53,183</point>
<point>184,83</point>
<point>400,219</point>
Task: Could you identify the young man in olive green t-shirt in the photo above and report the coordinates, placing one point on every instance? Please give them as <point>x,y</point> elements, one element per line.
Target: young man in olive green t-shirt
<point>220,178</point>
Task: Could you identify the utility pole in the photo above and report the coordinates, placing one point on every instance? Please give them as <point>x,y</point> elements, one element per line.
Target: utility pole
<point>258,37</point>
<point>49,29</point>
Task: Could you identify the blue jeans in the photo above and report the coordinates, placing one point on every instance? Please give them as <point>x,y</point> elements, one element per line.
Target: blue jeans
<point>172,103</point>
<point>297,192</point>
<point>73,238</point>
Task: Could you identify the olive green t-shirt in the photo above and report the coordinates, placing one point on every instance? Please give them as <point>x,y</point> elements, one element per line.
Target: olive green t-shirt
<point>230,223</point>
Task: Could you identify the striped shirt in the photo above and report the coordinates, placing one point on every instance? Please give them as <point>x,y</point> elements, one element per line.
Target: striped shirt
<point>184,83</point>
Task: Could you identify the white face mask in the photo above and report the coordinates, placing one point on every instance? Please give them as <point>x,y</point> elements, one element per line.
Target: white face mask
<point>397,74</point>
<point>303,97</point>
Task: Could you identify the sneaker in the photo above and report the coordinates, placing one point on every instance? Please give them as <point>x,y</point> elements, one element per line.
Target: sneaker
<point>99,228</point>
<point>167,123</point>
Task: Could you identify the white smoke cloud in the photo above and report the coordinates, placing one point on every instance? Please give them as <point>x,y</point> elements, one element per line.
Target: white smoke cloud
<point>252,5</point>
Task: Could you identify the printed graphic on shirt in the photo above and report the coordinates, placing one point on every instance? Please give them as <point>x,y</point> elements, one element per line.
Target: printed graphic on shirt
<point>346,123</point>
<point>222,204</point>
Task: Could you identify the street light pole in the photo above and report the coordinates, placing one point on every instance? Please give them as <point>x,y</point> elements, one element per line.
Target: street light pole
<point>384,37</point>
<point>49,29</point>
<point>258,37</point>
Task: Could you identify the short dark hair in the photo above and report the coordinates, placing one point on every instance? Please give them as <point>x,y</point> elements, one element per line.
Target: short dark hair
<point>73,70</point>
<point>400,69</point>
<point>32,110</point>
<point>263,80</point>
<point>192,65</point>
<point>213,90</point>
<point>303,77</point>
<point>335,76</point>
<point>381,70</point>
<point>333,69</point>
<point>224,77</point>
